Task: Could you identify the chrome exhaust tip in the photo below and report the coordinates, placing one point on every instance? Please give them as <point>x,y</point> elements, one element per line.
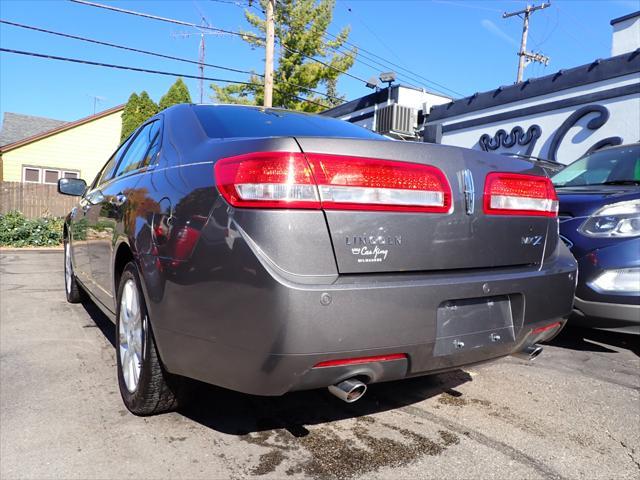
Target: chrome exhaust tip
<point>529,353</point>
<point>349,390</point>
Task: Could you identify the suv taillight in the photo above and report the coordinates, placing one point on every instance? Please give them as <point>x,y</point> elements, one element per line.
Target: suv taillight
<point>518,194</point>
<point>331,182</point>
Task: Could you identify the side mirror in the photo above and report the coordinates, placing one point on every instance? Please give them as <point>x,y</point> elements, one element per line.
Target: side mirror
<point>72,186</point>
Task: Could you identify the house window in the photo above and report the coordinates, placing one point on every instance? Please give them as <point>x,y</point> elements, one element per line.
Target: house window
<point>49,176</point>
<point>31,175</point>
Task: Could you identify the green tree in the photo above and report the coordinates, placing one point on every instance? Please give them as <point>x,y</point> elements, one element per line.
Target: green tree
<point>178,93</point>
<point>130,116</point>
<point>300,27</point>
<point>136,111</point>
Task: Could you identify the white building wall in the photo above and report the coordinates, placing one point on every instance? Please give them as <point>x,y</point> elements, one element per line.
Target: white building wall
<point>626,36</point>
<point>624,122</point>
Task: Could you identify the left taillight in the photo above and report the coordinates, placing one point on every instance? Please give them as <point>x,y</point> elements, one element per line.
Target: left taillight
<point>518,194</point>
<point>267,180</point>
<point>331,182</point>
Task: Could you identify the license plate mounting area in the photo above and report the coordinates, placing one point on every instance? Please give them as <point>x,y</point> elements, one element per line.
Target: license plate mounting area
<point>470,323</point>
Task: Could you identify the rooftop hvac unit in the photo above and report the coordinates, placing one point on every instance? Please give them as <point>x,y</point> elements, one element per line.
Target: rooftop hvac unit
<point>397,119</point>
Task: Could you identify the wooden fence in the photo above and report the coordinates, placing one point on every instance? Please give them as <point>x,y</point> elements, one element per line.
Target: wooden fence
<point>34,200</point>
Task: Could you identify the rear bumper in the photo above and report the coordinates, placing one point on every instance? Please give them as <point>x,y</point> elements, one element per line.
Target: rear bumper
<point>618,317</point>
<point>259,333</point>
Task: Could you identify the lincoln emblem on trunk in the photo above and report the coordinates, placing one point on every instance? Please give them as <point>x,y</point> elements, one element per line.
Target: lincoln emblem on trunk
<point>469,191</point>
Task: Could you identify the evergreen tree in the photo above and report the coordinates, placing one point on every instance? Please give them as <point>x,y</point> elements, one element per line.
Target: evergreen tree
<point>130,116</point>
<point>300,25</point>
<point>178,93</point>
<point>136,111</point>
<point>148,107</point>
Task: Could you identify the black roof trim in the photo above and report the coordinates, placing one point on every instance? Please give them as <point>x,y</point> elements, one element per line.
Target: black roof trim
<point>596,71</point>
<point>625,17</point>
<point>379,96</point>
<point>362,102</point>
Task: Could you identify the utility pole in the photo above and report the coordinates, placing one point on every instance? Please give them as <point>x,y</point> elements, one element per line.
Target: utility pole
<point>527,57</point>
<point>268,62</point>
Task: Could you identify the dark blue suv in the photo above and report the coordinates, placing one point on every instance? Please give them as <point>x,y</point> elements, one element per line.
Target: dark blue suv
<point>600,222</point>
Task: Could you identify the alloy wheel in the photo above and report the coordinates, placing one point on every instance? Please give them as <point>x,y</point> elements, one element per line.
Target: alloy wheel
<point>130,335</point>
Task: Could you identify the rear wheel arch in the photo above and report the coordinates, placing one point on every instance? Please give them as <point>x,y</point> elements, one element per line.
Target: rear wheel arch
<point>124,255</point>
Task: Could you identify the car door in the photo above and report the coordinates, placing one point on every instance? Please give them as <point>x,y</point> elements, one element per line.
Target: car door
<point>116,213</point>
<point>85,227</point>
<point>78,240</point>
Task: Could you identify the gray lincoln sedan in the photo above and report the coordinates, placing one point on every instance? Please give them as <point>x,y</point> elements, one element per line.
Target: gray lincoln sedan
<point>267,251</point>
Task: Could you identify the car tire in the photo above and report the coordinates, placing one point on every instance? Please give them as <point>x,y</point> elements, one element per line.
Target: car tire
<point>71,287</point>
<point>145,386</point>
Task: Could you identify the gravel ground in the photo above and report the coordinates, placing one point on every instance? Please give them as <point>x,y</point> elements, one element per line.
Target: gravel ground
<point>573,413</point>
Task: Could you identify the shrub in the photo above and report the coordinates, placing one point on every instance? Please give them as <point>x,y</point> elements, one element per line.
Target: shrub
<point>18,231</point>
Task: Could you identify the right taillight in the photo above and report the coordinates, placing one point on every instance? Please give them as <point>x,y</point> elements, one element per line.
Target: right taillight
<point>518,194</point>
<point>331,182</point>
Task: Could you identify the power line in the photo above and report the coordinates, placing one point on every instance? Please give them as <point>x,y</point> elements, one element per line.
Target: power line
<point>138,69</point>
<point>122,47</point>
<point>230,32</point>
<point>399,67</point>
<point>156,54</point>
<point>413,77</point>
<point>165,19</point>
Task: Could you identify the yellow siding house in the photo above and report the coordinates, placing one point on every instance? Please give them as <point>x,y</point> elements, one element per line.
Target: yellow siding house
<point>74,149</point>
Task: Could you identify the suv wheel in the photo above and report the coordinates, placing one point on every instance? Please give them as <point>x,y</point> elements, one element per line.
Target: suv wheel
<point>146,387</point>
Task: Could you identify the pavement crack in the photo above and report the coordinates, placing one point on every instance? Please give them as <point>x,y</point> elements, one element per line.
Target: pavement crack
<point>628,450</point>
<point>503,448</point>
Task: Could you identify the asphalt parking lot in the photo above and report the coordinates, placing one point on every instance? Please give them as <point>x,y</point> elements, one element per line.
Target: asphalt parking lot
<point>573,413</point>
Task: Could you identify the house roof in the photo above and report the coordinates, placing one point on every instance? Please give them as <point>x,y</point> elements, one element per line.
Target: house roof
<point>625,17</point>
<point>16,126</point>
<point>596,71</point>
<point>56,129</point>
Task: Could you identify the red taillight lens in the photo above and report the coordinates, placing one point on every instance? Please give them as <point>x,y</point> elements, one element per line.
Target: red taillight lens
<point>356,361</point>
<point>517,194</point>
<point>356,183</point>
<point>291,180</point>
<point>267,180</point>
<point>545,328</point>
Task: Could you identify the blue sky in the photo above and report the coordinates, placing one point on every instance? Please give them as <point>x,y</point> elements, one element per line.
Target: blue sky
<point>464,45</point>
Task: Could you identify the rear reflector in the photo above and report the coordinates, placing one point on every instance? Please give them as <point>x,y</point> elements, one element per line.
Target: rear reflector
<point>359,360</point>
<point>293,180</point>
<point>517,194</point>
<point>545,328</point>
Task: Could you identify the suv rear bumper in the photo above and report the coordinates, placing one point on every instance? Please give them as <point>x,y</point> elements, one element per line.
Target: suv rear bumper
<point>261,334</point>
<point>617,317</point>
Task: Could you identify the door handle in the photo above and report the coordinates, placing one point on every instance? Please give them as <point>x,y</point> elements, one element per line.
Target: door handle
<point>119,199</point>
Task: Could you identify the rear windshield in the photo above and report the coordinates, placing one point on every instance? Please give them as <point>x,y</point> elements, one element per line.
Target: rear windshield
<point>234,121</point>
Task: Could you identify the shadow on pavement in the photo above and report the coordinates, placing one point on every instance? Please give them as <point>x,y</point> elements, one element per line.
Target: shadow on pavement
<point>105,325</point>
<point>592,340</point>
<point>240,414</point>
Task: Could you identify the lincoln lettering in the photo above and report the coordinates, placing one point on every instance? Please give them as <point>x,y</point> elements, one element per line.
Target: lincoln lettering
<point>361,240</point>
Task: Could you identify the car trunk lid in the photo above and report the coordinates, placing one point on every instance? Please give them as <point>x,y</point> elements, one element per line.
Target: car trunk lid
<point>465,237</point>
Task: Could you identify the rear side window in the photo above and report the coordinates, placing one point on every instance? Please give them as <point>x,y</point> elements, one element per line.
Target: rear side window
<point>141,149</point>
<point>232,121</point>
<point>107,171</point>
